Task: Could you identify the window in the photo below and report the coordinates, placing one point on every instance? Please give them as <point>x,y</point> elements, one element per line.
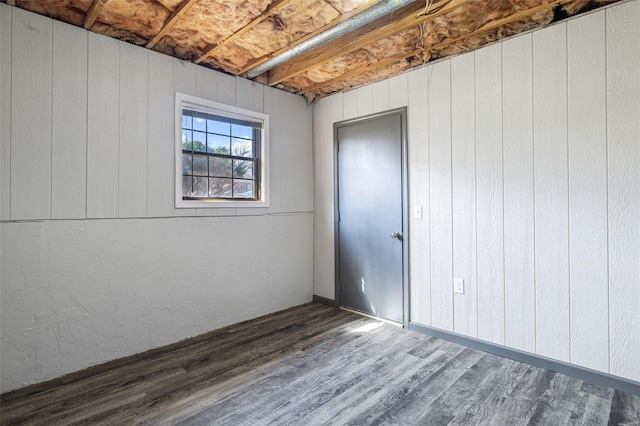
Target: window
<point>221,155</point>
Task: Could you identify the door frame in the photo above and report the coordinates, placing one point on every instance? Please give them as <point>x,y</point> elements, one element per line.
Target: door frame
<point>405,202</point>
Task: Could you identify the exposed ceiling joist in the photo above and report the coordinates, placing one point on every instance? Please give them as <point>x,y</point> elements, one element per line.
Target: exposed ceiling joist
<point>171,20</point>
<point>373,14</point>
<point>341,18</point>
<point>492,25</point>
<point>312,47</point>
<point>92,13</point>
<point>364,36</point>
<point>273,7</point>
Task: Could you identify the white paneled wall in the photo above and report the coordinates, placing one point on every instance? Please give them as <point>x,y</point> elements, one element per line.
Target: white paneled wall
<point>587,152</point>
<point>104,127</point>
<point>439,141</point>
<point>525,156</point>
<point>551,192</point>
<point>463,164</point>
<point>5,114</point>
<point>87,132</point>
<point>489,193</point>
<point>517,145</point>
<point>623,172</point>
<point>30,138</point>
<point>69,141</point>
<point>419,230</point>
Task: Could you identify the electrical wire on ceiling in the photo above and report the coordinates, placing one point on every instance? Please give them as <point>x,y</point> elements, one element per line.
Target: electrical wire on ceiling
<point>422,26</point>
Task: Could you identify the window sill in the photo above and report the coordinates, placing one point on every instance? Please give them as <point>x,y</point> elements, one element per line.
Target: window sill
<point>208,204</point>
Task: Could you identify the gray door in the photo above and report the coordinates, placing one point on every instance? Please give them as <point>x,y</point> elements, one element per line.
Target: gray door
<point>370,216</point>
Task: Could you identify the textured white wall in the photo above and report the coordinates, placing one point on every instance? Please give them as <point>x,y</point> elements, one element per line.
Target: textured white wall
<point>95,262</point>
<point>525,156</point>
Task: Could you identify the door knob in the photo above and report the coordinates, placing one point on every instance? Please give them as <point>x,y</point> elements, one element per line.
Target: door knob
<point>396,235</point>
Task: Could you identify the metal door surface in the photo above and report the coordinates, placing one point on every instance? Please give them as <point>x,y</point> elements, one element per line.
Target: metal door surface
<point>370,216</point>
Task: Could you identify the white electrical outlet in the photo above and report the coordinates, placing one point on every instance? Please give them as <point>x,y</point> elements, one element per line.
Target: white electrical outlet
<point>458,285</point>
<point>417,212</point>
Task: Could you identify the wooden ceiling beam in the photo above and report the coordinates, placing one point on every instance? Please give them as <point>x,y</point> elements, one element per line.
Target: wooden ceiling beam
<point>255,62</point>
<point>366,35</point>
<point>492,25</point>
<point>273,7</point>
<point>175,16</point>
<point>92,14</point>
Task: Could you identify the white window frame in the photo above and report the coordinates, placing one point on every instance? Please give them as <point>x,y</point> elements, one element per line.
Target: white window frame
<point>218,108</point>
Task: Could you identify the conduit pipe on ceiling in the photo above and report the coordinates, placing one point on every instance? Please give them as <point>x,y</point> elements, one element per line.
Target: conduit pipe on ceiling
<point>363,18</point>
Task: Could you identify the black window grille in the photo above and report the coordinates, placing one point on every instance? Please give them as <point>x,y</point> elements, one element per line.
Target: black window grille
<point>220,157</point>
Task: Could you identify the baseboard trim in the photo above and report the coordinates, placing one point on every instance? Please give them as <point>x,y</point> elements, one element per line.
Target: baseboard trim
<point>576,371</point>
<point>325,301</point>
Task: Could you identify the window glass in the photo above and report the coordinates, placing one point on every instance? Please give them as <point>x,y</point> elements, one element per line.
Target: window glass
<point>220,153</point>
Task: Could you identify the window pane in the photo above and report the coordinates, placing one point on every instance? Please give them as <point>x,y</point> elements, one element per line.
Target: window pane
<point>218,144</point>
<point>214,126</point>
<point>187,137</point>
<point>242,169</point>
<point>242,148</point>
<point>240,131</point>
<point>243,188</point>
<point>221,153</point>
<point>186,186</point>
<point>199,141</point>
<point>219,187</point>
<point>200,165</point>
<point>186,122</point>
<point>200,186</point>
<point>220,167</point>
<point>186,165</point>
<point>199,124</point>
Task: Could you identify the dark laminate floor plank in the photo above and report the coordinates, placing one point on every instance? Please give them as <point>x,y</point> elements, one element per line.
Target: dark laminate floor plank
<point>624,409</point>
<point>453,401</point>
<point>521,406</point>
<point>371,388</point>
<point>112,380</point>
<point>327,337</point>
<point>314,372</point>
<point>388,372</point>
<point>595,411</point>
<point>314,365</point>
<point>405,404</point>
<point>253,374</point>
<point>553,407</point>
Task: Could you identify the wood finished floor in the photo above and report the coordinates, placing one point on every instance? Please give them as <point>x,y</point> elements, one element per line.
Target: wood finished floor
<point>314,365</point>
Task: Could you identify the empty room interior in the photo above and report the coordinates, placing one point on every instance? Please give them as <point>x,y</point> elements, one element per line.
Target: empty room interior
<point>320,212</point>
